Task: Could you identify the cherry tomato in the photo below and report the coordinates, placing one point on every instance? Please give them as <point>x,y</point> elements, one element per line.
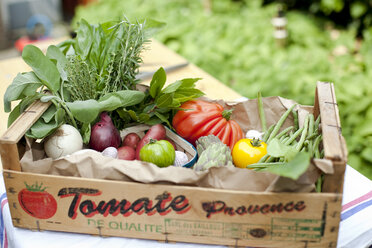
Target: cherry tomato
<point>160,152</point>
<point>248,151</point>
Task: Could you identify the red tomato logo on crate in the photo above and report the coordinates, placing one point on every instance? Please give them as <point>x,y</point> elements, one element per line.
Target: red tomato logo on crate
<point>38,203</point>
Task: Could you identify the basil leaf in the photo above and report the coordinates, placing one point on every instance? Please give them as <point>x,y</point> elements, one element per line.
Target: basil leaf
<point>24,84</point>
<point>189,82</point>
<point>157,82</point>
<point>164,100</point>
<point>42,66</point>
<point>172,87</point>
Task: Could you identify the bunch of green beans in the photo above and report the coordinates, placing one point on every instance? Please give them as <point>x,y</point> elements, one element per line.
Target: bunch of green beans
<point>306,138</point>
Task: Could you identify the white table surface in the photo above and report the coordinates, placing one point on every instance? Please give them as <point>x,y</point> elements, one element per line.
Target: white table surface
<point>355,227</point>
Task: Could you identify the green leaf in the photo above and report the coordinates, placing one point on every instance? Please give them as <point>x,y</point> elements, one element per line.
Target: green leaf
<point>163,118</point>
<point>164,100</point>
<point>172,87</point>
<point>43,67</point>
<point>84,38</point>
<point>49,113</point>
<point>126,98</point>
<point>143,117</point>
<point>152,26</point>
<point>28,100</point>
<point>189,82</point>
<point>42,129</point>
<point>85,132</point>
<point>14,115</point>
<point>357,9</point>
<point>49,98</point>
<point>85,111</point>
<point>292,169</point>
<point>24,84</point>
<point>157,82</point>
<point>277,149</point>
<point>54,53</point>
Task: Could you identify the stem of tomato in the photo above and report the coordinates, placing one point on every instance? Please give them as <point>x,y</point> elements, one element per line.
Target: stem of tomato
<point>227,113</point>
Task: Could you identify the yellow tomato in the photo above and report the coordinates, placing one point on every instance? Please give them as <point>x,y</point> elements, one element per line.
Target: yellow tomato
<point>248,151</point>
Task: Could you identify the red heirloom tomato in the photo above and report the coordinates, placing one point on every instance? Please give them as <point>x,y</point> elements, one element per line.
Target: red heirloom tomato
<point>201,118</point>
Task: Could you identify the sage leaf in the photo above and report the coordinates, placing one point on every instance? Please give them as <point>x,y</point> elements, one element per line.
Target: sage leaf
<point>24,84</point>
<point>13,115</point>
<point>292,169</point>
<point>277,149</point>
<point>41,128</point>
<point>43,67</point>
<point>84,111</point>
<point>84,38</point>
<point>123,98</point>
<point>28,100</point>
<point>54,53</point>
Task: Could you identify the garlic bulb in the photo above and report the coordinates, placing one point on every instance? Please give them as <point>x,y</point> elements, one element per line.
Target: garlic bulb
<point>181,159</point>
<point>254,134</point>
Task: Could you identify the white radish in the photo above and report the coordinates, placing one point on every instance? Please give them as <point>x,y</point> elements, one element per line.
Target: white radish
<point>64,141</point>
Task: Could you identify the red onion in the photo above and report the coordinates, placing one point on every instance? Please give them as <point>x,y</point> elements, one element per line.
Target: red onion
<point>104,134</point>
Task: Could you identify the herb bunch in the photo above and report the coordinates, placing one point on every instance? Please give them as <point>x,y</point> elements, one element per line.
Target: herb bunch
<point>104,58</point>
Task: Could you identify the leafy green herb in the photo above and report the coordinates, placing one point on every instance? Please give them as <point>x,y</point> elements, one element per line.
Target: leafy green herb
<point>82,77</point>
<point>159,101</point>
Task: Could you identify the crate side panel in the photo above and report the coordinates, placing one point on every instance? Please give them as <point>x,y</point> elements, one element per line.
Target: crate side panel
<point>173,213</point>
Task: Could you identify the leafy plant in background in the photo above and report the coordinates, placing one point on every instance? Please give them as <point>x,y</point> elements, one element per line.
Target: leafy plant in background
<point>356,13</point>
<point>233,41</point>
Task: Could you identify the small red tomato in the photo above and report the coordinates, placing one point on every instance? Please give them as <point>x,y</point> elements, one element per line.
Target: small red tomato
<point>38,203</point>
<point>126,153</point>
<point>132,140</point>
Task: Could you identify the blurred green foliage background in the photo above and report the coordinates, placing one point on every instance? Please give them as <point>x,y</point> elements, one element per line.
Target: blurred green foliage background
<point>233,41</point>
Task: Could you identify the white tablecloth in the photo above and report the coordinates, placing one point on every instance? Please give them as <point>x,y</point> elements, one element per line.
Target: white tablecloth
<point>355,227</point>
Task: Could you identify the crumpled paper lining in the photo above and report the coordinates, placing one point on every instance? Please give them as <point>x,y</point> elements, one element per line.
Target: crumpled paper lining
<point>91,164</point>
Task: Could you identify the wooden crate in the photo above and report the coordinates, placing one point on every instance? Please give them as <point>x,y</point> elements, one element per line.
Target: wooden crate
<point>179,213</point>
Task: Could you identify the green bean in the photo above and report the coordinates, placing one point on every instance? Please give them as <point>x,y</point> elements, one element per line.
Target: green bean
<point>316,146</point>
<point>263,165</point>
<point>319,183</point>
<point>294,136</point>
<point>285,131</point>
<point>268,132</point>
<point>309,146</point>
<point>264,158</point>
<point>311,125</point>
<point>285,139</point>
<point>316,123</point>
<point>295,119</point>
<point>280,123</point>
<point>312,136</point>
<point>261,112</point>
<point>304,134</point>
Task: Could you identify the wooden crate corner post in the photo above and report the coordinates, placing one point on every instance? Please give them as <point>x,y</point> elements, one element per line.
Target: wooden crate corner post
<point>11,137</point>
